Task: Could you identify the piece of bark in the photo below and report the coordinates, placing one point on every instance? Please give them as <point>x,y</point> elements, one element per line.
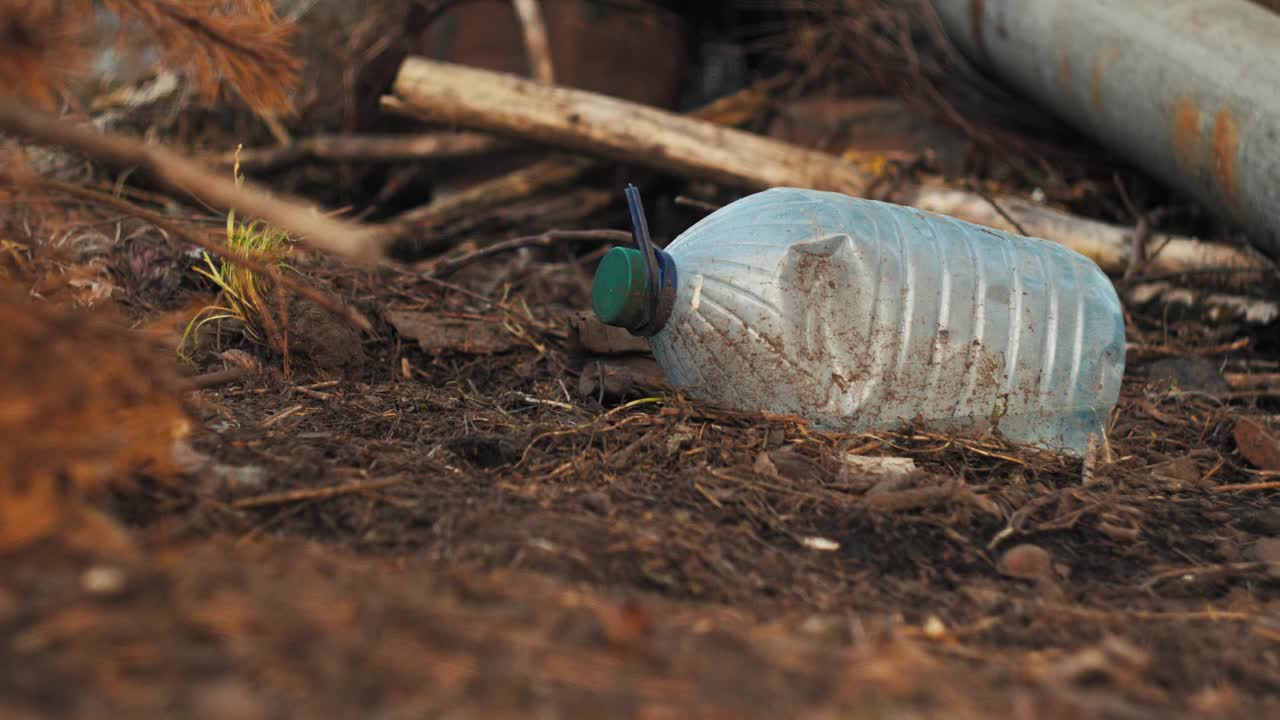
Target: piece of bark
<point>1252,381</point>
<point>589,336</point>
<point>442,335</point>
<point>1259,447</point>
<point>622,377</point>
<point>621,130</point>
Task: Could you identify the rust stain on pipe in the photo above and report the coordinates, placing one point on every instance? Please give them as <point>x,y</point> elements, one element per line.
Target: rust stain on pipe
<point>1100,64</point>
<point>1226,140</point>
<point>975,25</point>
<point>1186,134</point>
<point>1166,84</point>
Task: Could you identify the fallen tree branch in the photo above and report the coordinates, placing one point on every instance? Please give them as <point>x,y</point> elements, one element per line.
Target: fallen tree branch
<point>1107,245</point>
<point>535,40</point>
<point>445,268</point>
<point>633,133</point>
<point>324,300</point>
<point>367,148</point>
<point>320,493</point>
<point>1248,487</point>
<point>216,378</point>
<point>186,175</point>
<point>1209,306</point>
<point>615,128</point>
<point>415,225</point>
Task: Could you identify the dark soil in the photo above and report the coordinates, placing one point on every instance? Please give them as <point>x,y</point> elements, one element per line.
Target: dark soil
<point>463,514</point>
<point>499,546</point>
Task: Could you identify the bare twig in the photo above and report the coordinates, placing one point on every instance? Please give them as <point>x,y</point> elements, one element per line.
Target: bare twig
<point>1210,615</point>
<point>324,300</point>
<point>1249,381</point>
<point>696,203</point>
<point>1192,574</point>
<point>367,148</point>
<point>186,175</point>
<point>323,493</point>
<point>216,378</point>
<point>1017,226</point>
<point>1138,247</point>
<point>1248,487</point>
<point>535,40</point>
<point>445,268</point>
<point>275,418</point>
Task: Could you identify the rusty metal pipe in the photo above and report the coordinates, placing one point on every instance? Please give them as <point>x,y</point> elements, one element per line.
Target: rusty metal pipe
<point>1188,90</point>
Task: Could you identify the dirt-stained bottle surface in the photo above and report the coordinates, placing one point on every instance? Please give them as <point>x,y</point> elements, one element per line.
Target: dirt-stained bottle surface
<point>861,315</point>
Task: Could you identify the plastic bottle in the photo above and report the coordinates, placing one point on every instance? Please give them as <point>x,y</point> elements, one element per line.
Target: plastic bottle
<point>862,315</point>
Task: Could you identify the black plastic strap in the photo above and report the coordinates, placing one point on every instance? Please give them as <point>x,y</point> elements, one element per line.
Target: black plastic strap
<point>652,275</point>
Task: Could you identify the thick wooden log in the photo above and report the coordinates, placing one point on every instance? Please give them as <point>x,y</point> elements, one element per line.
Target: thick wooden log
<point>614,128</point>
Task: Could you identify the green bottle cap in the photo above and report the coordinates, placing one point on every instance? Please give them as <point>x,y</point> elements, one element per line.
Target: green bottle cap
<point>617,296</point>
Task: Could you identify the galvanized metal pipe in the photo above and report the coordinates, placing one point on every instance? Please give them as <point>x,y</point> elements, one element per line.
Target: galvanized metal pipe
<point>1188,90</point>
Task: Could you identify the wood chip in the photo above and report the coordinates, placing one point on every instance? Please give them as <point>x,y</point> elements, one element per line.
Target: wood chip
<point>1267,550</point>
<point>622,377</point>
<point>440,335</point>
<point>1258,446</point>
<point>878,467</point>
<point>589,336</point>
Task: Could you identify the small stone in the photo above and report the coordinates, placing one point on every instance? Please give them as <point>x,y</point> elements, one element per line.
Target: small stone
<point>820,543</point>
<point>238,477</point>
<point>597,502</point>
<point>484,451</point>
<point>1029,562</point>
<point>241,359</point>
<point>826,628</point>
<point>764,466</point>
<point>1267,550</point>
<point>1180,472</point>
<point>102,580</point>
<point>1186,375</point>
<point>226,699</point>
<point>1265,521</point>
<point>1228,551</point>
<point>984,597</point>
<point>679,438</point>
<point>934,628</point>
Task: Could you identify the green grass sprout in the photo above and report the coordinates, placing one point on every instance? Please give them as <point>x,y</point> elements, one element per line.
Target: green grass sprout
<point>243,292</point>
